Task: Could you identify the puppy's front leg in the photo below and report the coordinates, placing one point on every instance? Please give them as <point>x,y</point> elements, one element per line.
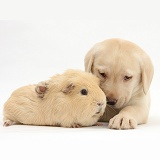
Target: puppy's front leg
<point>129,117</point>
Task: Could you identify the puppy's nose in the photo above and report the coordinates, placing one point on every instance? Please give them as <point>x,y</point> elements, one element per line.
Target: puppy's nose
<point>111,101</point>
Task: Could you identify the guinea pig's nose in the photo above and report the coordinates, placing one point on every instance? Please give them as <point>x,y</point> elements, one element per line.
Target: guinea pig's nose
<point>100,105</point>
<point>111,101</point>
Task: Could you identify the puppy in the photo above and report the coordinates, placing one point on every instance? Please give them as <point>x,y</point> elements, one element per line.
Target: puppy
<point>125,72</point>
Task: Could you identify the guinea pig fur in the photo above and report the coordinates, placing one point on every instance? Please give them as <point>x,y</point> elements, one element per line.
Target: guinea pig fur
<point>73,99</point>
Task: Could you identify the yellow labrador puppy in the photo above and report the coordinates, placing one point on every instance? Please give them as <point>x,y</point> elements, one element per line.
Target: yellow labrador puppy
<point>126,72</point>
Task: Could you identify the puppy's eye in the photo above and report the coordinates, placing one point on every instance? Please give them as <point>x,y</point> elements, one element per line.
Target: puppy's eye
<point>127,78</point>
<point>84,92</point>
<point>103,74</point>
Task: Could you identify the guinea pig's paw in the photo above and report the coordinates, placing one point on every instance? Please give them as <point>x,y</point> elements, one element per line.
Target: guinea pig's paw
<point>41,89</point>
<point>7,123</point>
<point>76,125</point>
<point>122,122</point>
<point>98,124</point>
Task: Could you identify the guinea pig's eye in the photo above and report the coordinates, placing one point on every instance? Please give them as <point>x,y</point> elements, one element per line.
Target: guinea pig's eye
<point>84,92</point>
<point>127,78</point>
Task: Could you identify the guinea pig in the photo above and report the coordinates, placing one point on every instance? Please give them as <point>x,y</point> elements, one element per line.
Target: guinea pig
<point>73,99</point>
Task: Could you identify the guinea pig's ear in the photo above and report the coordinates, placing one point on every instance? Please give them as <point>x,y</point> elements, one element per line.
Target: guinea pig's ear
<point>41,88</point>
<point>88,60</point>
<point>147,73</point>
<point>69,88</point>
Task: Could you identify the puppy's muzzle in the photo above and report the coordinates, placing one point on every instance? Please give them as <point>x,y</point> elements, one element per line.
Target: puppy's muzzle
<point>111,101</point>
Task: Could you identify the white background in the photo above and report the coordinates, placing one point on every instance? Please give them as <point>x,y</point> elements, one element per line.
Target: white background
<point>41,38</point>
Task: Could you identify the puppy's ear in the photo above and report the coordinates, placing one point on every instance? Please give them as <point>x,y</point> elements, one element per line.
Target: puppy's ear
<point>147,72</point>
<point>88,61</point>
<point>69,88</point>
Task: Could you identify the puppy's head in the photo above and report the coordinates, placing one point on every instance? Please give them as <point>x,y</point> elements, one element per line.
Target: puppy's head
<point>123,68</point>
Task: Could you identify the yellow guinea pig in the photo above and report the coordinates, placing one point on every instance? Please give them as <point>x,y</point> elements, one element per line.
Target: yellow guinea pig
<point>71,99</point>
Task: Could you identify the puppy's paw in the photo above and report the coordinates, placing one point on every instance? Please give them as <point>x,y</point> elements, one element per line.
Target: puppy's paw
<point>41,88</point>
<point>122,122</point>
